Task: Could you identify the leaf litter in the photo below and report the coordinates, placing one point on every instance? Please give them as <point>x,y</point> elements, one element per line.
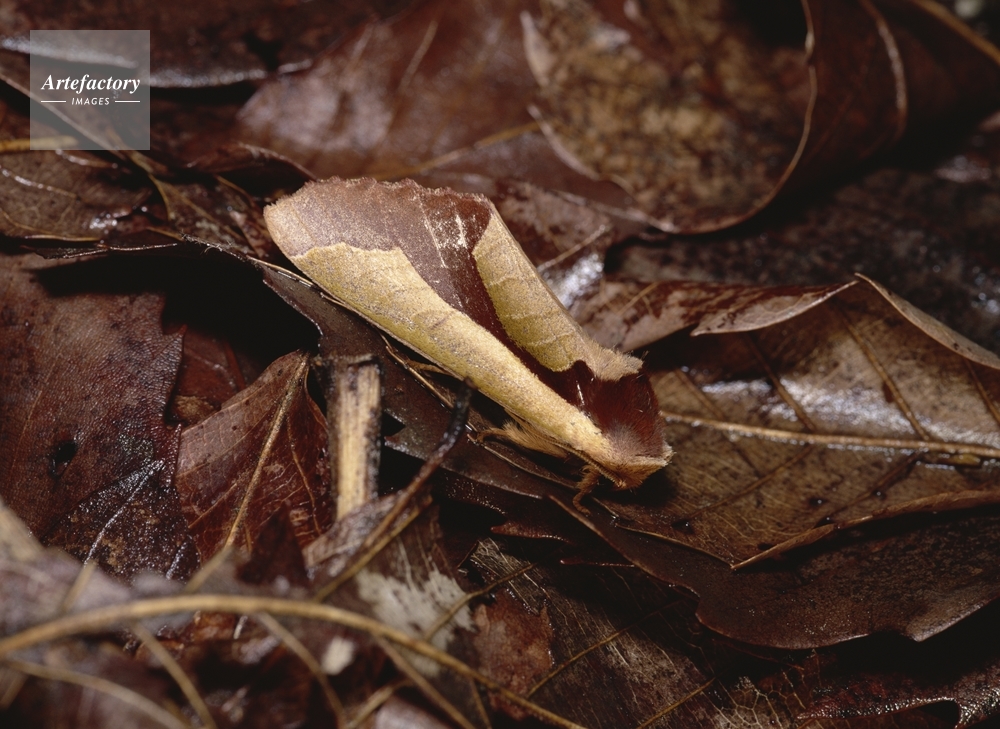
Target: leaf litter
<point>760,378</point>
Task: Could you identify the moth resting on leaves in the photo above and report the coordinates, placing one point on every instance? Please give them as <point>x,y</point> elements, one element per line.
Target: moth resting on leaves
<point>439,271</point>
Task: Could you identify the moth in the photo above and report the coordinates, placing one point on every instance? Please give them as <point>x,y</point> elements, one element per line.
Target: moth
<point>439,271</point>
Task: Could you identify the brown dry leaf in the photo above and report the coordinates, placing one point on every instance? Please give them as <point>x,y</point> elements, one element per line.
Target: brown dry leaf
<point>204,44</point>
<point>913,576</point>
<point>629,314</point>
<point>208,377</point>
<point>504,616</point>
<point>636,634</point>
<point>87,459</point>
<point>80,683</point>
<point>72,196</point>
<point>393,93</point>
<point>261,454</point>
<point>401,96</point>
<point>252,169</point>
<point>681,104</point>
<point>214,210</point>
<point>925,237</point>
<point>717,119</point>
<point>960,666</point>
<point>786,429</point>
<point>690,144</point>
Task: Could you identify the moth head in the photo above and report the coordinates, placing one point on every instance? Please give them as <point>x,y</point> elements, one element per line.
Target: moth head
<point>633,444</point>
<point>626,412</point>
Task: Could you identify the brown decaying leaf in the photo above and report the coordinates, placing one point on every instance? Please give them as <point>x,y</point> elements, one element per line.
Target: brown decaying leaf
<point>926,238</point>
<point>73,196</point>
<point>212,209</point>
<point>858,407</point>
<point>625,622</point>
<point>631,314</point>
<point>261,454</point>
<point>503,619</point>
<point>915,576</point>
<point>403,97</point>
<point>204,44</point>
<point>960,666</point>
<point>253,169</point>
<point>386,100</point>
<point>872,78</point>
<point>706,144</point>
<point>87,459</point>
<point>681,104</point>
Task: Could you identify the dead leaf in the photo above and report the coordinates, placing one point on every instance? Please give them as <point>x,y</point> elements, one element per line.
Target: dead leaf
<point>211,209</point>
<point>713,143</point>
<point>926,238</point>
<point>71,196</point>
<point>211,44</point>
<point>261,454</point>
<point>395,105</point>
<point>959,666</point>
<point>638,635</point>
<point>916,576</point>
<point>718,139</point>
<point>857,408</point>
<point>88,459</point>
<point>668,101</point>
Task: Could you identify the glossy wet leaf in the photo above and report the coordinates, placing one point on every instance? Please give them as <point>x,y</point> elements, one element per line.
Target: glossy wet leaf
<point>857,407</point>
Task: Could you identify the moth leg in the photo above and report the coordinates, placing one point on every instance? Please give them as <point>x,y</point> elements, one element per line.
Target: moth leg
<point>591,477</point>
<point>480,436</point>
